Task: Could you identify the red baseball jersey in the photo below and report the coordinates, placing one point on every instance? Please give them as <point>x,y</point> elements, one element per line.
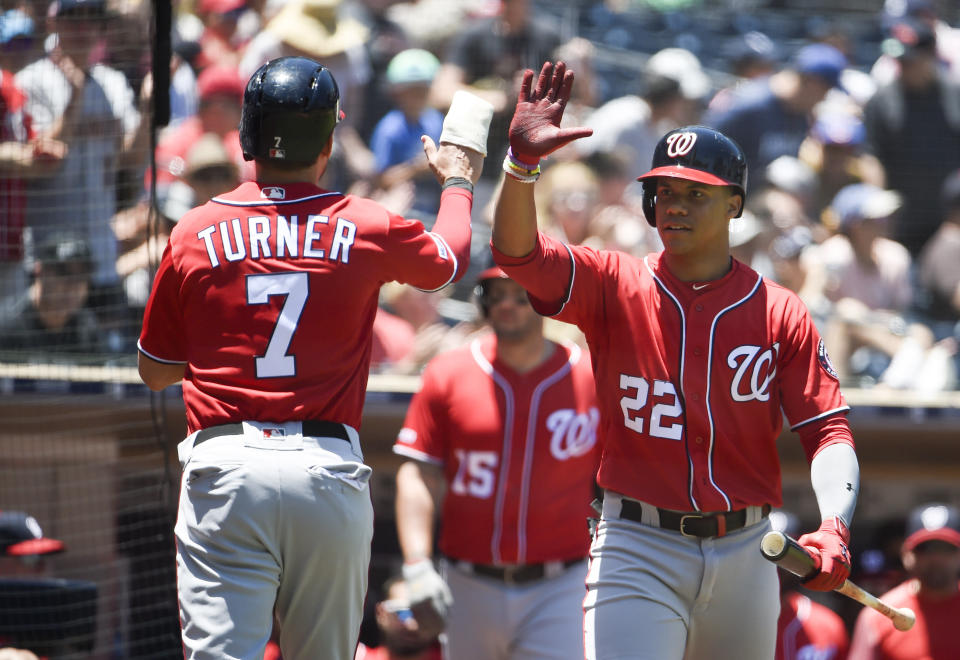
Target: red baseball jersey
<point>269,293</point>
<point>933,637</point>
<point>519,452</point>
<point>807,630</point>
<point>693,379</point>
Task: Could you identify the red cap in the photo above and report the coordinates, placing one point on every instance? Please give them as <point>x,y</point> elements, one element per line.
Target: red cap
<point>221,6</point>
<point>220,80</point>
<point>932,522</point>
<point>492,273</point>
<point>20,536</point>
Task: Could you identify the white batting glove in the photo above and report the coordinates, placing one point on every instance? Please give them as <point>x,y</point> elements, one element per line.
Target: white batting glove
<point>429,596</point>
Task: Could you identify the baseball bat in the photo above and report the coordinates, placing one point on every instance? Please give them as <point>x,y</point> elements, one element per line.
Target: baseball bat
<point>789,555</point>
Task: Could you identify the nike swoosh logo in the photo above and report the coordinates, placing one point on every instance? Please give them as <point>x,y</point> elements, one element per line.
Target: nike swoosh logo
<point>697,287</point>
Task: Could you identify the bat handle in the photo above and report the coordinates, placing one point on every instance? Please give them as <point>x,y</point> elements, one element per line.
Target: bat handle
<point>903,618</point>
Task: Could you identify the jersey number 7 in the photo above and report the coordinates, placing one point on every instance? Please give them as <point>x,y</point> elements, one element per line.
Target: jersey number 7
<point>275,362</point>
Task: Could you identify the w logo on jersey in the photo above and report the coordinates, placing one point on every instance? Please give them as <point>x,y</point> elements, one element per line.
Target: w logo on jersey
<point>755,370</point>
<point>680,144</point>
<point>574,434</point>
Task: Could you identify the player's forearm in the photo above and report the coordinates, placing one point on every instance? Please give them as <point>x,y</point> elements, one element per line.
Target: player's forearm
<point>835,476</point>
<point>515,219</point>
<point>415,510</point>
<point>453,224</point>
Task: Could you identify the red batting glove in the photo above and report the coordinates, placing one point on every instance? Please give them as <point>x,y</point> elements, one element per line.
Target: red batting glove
<point>535,129</point>
<point>828,544</point>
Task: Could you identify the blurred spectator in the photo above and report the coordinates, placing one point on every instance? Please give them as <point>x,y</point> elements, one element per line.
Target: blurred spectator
<point>789,270</point>
<point>91,108</point>
<point>53,617</point>
<point>771,116</point>
<point>400,636</point>
<point>487,58</point>
<point>834,149</point>
<point>18,40</point>
<point>220,91</point>
<point>940,258</point>
<point>221,43</point>
<point>396,143</point>
<point>674,89</point>
<point>142,240</point>
<point>23,549</point>
<point>21,156</point>
<point>913,127</point>
<point>322,30</point>
<point>568,197</point>
<point>787,195</point>
<point>433,332</point>
<point>751,57</point>
<point>886,68</point>
<point>393,342</point>
<point>806,629</point>
<point>749,236</point>
<point>931,555</point>
<point>23,545</point>
<point>867,278</point>
<point>210,168</point>
<point>619,221</point>
<point>386,38</point>
<point>54,315</point>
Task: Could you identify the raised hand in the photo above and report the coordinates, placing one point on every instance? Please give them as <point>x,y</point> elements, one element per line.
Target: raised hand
<point>535,129</point>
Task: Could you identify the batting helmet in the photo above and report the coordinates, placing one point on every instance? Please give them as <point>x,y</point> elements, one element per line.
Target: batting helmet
<point>290,107</point>
<point>696,153</point>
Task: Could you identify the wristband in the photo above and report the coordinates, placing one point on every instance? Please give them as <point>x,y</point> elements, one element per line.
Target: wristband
<point>458,182</point>
<point>521,163</point>
<point>520,171</point>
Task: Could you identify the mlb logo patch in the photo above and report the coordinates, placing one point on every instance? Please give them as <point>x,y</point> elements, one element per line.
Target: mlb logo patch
<point>274,433</point>
<point>273,192</point>
<point>278,153</point>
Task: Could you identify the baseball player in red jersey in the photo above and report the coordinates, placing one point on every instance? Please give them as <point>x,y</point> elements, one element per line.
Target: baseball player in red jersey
<point>697,360</point>
<point>263,305</point>
<point>507,426</point>
<point>806,629</point>
<point>931,555</point>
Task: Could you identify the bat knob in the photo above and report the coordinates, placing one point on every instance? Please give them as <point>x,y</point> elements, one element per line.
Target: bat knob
<point>905,619</point>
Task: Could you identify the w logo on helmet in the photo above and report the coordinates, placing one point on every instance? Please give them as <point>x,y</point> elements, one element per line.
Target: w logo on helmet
<point>680,144</point>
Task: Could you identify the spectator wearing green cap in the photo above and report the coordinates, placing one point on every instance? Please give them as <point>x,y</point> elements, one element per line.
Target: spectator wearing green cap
<point>395,143</point>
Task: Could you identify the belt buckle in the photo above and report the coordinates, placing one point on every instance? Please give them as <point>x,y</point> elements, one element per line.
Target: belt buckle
<point>509,574</point>
<point>683,522</point>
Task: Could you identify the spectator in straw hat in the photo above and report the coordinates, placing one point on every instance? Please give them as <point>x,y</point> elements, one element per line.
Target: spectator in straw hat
<point>220,92</point>
<point>323,31</point>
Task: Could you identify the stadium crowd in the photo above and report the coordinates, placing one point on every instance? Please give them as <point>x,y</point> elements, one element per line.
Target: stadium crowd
<point>851,127</point>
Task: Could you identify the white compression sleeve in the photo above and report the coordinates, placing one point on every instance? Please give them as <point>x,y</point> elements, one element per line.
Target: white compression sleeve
<point>835,475</point>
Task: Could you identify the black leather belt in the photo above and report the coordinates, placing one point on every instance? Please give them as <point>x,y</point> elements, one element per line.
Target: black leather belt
<point>518,574</point>
<point>312,427</point>
<point>701,525</point>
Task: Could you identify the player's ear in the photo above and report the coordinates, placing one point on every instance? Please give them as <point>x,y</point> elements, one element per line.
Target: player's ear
<point>734,204</point>
<point>328,147</point>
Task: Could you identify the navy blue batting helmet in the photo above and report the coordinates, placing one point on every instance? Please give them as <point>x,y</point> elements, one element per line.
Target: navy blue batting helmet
<point>696,153</point>
<point>290,107</point>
